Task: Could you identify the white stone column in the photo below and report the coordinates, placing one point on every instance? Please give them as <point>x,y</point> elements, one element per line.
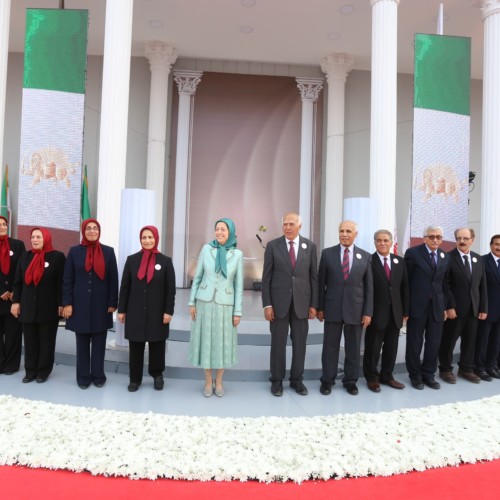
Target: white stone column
<point>336,66</point>
<point>383,126</point>
<point>114,117</point>
<point>187,82</point>
<point>4,58</point>
<point>490,171</point>
<point>161,56</point>
<point>309,93</point>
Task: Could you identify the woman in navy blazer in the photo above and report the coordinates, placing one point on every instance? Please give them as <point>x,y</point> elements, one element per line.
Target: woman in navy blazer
<point>37,302</point>
<point>10,329</point>
<point>215,306</point>
<point>90,297</point>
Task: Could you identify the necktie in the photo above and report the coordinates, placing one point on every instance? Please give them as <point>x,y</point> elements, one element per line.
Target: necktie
<point>387,269</point>
<point>291,252</point>
<point>467,267</point>
<point>345,263</point>
<point>433,260</point>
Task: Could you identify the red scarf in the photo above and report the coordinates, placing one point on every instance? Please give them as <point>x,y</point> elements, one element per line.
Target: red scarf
<point>94,258</point>
<point>4,251</point>
<point>36,268</point>
<point>148,261</point>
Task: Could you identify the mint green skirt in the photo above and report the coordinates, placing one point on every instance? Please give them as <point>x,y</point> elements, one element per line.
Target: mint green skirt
<point>213,343</point>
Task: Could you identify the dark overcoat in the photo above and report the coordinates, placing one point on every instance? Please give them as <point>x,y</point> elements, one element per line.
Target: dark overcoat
<point>145,303</point>
<point>6,280</point>
<point>87,293</point>
<point>39,304</point>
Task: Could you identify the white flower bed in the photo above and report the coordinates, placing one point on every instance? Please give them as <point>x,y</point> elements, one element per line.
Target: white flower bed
<point>149,445</point>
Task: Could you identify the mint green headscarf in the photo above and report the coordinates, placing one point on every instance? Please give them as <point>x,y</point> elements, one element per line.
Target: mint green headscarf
<point>220,259</point>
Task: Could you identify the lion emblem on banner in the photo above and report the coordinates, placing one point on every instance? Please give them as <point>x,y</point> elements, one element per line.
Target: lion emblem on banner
<point>48,163</point>
<point>440,180</point>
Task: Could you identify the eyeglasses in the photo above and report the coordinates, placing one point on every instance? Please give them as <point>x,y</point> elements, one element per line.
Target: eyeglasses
<point>463,239</point>
<point>91,229</point>
<point>433,237</point>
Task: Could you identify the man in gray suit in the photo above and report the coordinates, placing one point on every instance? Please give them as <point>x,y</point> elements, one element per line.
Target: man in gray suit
<point>345,303</point>
<point>290,299</point>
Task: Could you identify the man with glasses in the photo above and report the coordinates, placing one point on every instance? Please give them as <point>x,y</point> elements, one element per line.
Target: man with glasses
<point>427,269</point>
<point>467,303</point>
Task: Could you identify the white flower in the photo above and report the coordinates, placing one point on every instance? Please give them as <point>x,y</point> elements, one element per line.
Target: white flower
<point>304,246</point>
<point>395,261</point>
<point>441,255</point>
<point>358,256</point>
<point>474,259</point>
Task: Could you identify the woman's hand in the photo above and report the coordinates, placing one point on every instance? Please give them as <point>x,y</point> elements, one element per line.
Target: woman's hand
<point>166,319</point>
<point>67,312</point>
<point>6,296</point>
<point>121,317</point>
<point>15,310</point>
<point>192,312</point>
<point>236,320</point>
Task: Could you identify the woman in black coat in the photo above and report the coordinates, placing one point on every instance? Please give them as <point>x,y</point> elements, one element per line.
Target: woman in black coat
<point>90,297</point>
<point>11,330</point>
<point>146,306</point>
<point>37,302</point>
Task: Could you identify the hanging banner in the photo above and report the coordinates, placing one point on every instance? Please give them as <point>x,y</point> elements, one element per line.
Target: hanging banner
<point>441,136</point>
<point>50,170</point>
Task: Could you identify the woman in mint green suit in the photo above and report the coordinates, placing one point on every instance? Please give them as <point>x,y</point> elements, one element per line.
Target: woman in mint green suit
<point>215,306</point>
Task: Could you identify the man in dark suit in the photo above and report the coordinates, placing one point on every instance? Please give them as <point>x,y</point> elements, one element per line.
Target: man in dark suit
<point>345,303</point>
<point>290,299</point>
<point>427,270</point>
<point>390,309</point>
<point>488,332</point>
<point>467,302</point>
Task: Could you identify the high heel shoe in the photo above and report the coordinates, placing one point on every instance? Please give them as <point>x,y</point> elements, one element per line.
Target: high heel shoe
<point>207,391</point>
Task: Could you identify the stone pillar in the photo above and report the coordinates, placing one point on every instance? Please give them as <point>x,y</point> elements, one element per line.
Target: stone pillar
<point>309,93</point>
<point>336,66</point>
<point>161,56</point>
<point>383,126</point>
<point>4,58</point>
<point>114,117</point>
<point>490,172</point>
<point>187,82</point>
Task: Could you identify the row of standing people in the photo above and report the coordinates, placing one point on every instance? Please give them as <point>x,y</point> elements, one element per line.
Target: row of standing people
<point>353,289</point>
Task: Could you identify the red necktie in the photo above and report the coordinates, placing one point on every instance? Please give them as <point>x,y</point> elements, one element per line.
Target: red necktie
<point>387,269</point>
<point>345,263</point>
<point>293,260</point>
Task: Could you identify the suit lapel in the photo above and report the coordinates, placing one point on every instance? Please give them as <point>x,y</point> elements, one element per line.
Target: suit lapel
<point>378,265</point>
<point>494,269</point>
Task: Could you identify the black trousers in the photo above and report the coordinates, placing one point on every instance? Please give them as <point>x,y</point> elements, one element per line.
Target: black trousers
<point>279,335</point>
<point>39,348</point>
<point>136,359</point>
<point>465,329</point>
<point>11,340</point>
<point>487,345</point>
<point>90,351</point>
<point>331,349</point>
<point>418,329</point>
<point>385,340</point>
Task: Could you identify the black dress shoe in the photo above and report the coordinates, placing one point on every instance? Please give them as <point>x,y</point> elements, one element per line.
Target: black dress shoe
<point>9,372</point>
<point>277,389</point>
<point>484,376</point>
<point>351,389</point>
<point>99,384</point>
<point>83,386</point>
<point>493,373</point>
<point>429,382</point>
<point>27,380</point>
<point>417,384</point>
<point>132,387</point>
<point>325,389</point>
<point>158,383</point>
<point>41,380</point>
<point>299,388</point>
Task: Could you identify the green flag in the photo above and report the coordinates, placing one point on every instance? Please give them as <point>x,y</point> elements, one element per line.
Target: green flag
<point>85,196</point>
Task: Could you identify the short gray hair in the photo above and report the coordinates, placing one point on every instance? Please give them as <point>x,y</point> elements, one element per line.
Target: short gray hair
<point>471,231</point>
<point>433,228</point>
<point>382,231</point>
<point>299,218</point>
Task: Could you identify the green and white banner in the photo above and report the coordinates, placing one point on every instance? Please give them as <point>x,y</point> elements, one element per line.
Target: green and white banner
<point>441,134</point>
<point>50,171</point>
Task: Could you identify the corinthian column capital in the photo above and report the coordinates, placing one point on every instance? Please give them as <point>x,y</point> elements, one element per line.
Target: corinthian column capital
<point>337,66</point>
<point>309,88</point>
<point>160,54</point>
<point>488,7</point>
<point>187,81</point>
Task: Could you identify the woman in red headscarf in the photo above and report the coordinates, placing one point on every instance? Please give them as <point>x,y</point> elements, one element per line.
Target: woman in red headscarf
<point>90,297</point>
<point>37,302</point>
<point>10,329</point>
<point>146,306</point>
